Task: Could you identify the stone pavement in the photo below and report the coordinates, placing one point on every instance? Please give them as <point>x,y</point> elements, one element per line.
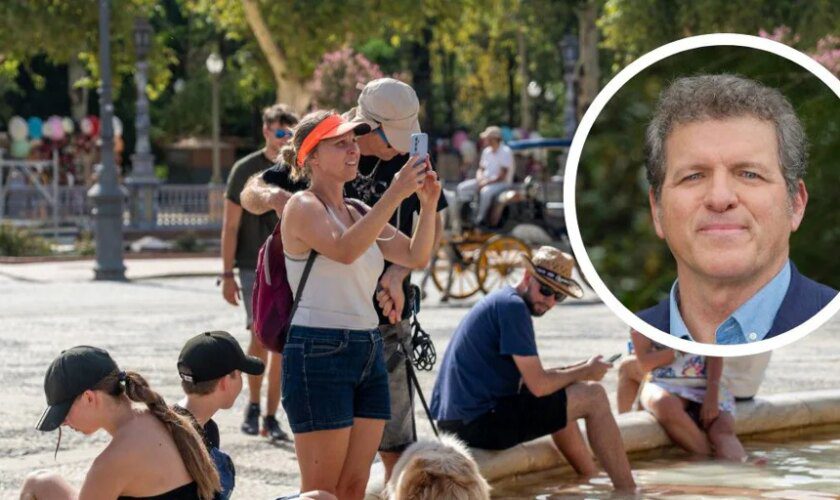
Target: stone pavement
<point>143,323</point>
<point>136,269</point>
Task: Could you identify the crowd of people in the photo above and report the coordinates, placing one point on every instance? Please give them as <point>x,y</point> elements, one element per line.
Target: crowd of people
<point>358,215</point>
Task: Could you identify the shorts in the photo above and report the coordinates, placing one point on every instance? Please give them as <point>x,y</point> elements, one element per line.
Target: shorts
<point>515,419</point>
<point>227,473</point>
<point>331,376</point>
<point>246,287</point>
<point>693,409</point>
<point>400,432</point>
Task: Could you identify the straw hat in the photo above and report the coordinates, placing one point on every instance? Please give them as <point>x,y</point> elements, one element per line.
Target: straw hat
<point>492,132</point>
<point>553,268</point>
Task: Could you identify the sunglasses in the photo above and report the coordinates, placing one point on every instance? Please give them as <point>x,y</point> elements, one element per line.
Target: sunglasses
<point>381,134</point>
<point>282,132</point>
<point>547,291</point>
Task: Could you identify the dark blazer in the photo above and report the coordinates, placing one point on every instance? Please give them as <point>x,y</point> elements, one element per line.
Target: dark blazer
<point>804,298</point>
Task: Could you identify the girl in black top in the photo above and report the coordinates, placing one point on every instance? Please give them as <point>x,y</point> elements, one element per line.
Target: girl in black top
<point>154,452</point>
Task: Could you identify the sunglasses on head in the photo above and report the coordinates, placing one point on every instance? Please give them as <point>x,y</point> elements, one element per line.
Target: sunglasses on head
<point>282,132</point>
<point>547,291</point>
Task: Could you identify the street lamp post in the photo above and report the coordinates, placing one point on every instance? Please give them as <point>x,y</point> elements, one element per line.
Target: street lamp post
<point>215,64</point>
<point>215,199</point>
<point>106,195</point>
<point>534,91</point>
<point>142,183</point>
<point>569,47</point>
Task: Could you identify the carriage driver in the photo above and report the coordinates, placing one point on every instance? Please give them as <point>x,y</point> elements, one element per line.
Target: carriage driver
<point>494,175</point>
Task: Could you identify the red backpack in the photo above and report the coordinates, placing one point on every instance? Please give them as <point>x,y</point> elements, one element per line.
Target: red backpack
<point>271,302</point>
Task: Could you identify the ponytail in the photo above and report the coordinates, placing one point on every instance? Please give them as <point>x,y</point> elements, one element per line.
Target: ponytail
<point>190,446</point>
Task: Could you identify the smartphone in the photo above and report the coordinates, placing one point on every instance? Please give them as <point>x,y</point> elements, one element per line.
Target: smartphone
<point>419,146</point>
<point>614,358</point>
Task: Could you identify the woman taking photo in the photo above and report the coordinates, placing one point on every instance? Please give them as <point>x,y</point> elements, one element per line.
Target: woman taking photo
<point>154,453</point>
<point>335,387</point>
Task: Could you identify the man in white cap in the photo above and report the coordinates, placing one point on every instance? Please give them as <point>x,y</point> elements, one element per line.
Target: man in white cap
<point>493,391</point>
<point>390,108</point>
<point>494,175</point>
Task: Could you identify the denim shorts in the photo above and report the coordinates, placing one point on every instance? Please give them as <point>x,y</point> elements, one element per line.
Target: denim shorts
<point>332,376</point>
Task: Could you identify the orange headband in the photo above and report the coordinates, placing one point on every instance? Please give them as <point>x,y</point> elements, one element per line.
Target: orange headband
<point>321,131</point>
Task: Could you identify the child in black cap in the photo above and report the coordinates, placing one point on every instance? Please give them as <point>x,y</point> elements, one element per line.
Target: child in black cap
<point>211,366</point>
<point>153,452</point>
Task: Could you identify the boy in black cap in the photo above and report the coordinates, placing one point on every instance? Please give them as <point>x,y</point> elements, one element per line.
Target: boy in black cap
<point>211,366</point>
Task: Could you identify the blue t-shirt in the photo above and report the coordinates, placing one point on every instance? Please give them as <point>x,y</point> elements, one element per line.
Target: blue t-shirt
<point>478,367</point>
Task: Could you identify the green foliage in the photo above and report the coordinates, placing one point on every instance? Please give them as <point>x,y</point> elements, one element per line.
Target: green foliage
<point>8,71</point>
<point>188,242</point>
<point>612,203</point>
<point>64,30</point>
<point>482,40</point>
<point>303,31</point>
<point>471,47</point>
<point>85,244</point>
<point>15,242</point>
<point>162,171</point>
<point>632,27</point>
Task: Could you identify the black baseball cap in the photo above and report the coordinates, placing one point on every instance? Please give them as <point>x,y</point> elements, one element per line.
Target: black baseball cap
<point>213,355</point>
<point>73,372</point>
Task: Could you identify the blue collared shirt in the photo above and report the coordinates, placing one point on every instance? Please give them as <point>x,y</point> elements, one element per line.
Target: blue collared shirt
<point>749,323</point>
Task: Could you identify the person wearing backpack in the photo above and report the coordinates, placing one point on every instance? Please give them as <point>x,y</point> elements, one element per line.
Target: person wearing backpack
<point>335,385</point>
<point>242,234</point>
<point>390,108</point>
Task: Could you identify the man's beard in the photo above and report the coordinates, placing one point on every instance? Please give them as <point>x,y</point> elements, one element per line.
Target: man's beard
<point>532,307</point>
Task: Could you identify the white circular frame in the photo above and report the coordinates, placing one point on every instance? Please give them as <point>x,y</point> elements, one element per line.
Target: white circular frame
<point>601,100</point>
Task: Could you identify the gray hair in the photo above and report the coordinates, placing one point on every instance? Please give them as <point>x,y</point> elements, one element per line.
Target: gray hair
<point>713,97</point>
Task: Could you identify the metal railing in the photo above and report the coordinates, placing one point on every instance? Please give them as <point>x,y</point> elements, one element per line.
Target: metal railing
<point>191,206</point>
<point>187,206</point>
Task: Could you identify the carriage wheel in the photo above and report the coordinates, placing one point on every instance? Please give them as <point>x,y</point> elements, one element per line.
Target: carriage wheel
<point>499,262</point>
<point>457,259</point>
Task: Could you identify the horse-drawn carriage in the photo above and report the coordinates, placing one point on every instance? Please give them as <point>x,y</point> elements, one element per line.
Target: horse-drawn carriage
<point>529,213</point>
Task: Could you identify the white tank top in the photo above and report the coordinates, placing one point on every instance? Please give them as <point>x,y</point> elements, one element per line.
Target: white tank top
<point>337,295</point>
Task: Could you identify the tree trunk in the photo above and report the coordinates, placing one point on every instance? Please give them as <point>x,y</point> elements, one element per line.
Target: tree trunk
<point>78,95</point>
<point>511,101</point>
<point>289,90</point>
<point>589,70</point>
<point>421,78</point>
<point>524,99</point>
<point>450,90</point>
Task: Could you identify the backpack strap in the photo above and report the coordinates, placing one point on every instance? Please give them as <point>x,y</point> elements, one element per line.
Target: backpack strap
<point>358,205</point>
<point>299,293</point>
<point>309,262</point>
